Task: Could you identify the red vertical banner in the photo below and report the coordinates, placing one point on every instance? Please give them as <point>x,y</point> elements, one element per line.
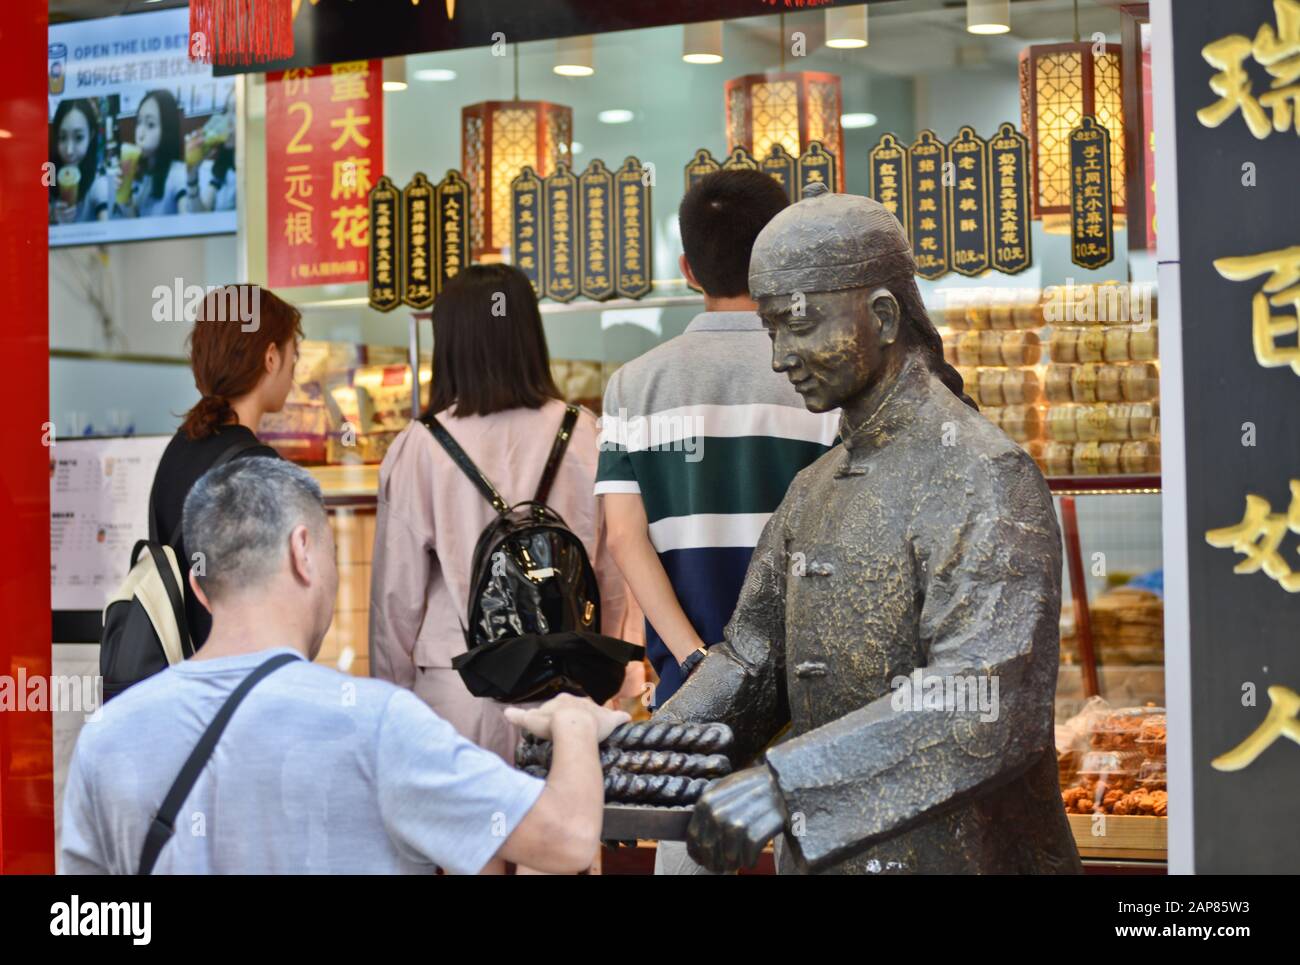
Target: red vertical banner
<point>324,150</point>
<point>26,727</point>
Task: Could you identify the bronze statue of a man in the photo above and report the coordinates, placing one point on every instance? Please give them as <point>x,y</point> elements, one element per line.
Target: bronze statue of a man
<point>925,548</point>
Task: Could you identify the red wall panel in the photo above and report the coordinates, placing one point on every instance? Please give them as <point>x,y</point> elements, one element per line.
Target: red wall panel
<point>26,754</point>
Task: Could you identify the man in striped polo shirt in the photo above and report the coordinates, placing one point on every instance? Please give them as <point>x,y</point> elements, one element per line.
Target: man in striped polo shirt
<point>700,438</point>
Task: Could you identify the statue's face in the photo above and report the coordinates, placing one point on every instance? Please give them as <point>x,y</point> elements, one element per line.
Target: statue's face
<point>827,343</point>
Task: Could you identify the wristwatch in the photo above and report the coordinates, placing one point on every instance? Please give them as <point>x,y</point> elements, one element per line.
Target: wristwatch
<point>692,661</point>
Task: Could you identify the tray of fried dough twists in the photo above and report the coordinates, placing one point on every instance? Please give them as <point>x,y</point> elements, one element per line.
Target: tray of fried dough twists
<point>654,771</point>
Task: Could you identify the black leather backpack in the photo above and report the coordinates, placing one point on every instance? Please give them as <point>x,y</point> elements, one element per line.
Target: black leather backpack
<point>532,628</point>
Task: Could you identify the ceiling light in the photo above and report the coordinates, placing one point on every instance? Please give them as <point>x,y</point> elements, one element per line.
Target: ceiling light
<point>988,16</point>
<point>616,116</point>
<point>846,27</point>
<point>853,121</point>
<point>395,74</point>
<point>573,57</point>
<point>435,74</point>
<point>702,42</point>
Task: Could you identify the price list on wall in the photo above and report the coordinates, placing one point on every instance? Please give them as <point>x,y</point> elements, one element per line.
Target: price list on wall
<point>99,507</point>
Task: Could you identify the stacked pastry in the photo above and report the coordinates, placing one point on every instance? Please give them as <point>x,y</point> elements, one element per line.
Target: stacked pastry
<point>1128,626</point>
<point>1093,408</point>
<point>993,343</point>
<point>1103,385</point>
<point>650,762</point>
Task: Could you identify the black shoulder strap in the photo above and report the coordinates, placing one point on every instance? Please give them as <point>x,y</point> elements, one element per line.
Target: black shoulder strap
<point>163,825</point>
<point>557,453</point>
<point>466,464</point>
<point>227,454</point>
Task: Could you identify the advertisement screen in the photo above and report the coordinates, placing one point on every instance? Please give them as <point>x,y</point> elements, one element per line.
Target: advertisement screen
<point>142,139</point>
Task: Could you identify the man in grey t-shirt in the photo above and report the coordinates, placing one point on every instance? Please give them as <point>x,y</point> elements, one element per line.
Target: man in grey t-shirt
<point>317,771</point>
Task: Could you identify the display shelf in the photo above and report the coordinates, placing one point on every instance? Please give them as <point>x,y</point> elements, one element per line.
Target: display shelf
<point>1118,485</point>
<point>1130,836</point>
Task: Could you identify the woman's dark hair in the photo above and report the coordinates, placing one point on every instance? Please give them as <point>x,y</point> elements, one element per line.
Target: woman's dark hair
<point>489,350</point>
<point>918,331</point>
<point>719,219</point>
<point>169,140</point>
<point>90,163</point>
<point>228,355</point>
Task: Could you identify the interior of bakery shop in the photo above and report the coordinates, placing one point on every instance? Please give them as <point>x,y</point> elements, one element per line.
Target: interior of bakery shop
<point>1057,340</point>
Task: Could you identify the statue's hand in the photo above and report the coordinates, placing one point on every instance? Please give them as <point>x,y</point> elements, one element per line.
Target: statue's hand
<point>734,819</point>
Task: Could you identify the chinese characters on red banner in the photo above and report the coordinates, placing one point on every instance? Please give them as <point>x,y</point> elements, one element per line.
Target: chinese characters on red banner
<point>324,148</point>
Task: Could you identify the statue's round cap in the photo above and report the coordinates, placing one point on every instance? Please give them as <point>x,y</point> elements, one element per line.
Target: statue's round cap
<point>827,242</point>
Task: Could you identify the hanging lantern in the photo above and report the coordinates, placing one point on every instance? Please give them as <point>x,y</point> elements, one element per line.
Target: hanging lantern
<point>1059,85</point>
<point>790,108</point>
<point>497,139</point>
<point>226,32</point>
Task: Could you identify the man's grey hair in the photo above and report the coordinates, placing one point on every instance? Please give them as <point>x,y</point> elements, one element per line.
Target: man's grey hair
<point>238,518</point>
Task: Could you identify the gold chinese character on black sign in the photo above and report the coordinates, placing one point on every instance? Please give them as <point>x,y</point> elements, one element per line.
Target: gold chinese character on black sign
<point>452,207</point>
<point>887,164</point>
<point>700,166</point>
<point>560,201</point>
<point>528,226</point>
<point>740,160</point>
<point>385,246</point>
<point>1009,191</point>
<point>632,229</point>
<point>418,247</point>
<point>596,198</point>
<point>781,166</point>
<point>968,202</point>
<point>816,165</point>
<point>929,205</point>
<point>1092,232</point>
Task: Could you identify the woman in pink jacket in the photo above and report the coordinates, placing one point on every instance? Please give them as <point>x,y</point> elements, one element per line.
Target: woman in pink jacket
<point>492,389</point>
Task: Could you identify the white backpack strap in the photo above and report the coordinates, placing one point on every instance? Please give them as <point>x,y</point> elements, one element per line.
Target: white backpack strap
<point>145,582</point>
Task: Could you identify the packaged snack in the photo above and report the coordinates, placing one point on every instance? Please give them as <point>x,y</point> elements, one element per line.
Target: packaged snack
<point>1091,345</point>
<point>1083,383</point>
<point>1064,345</point>
<point>1108,383</point>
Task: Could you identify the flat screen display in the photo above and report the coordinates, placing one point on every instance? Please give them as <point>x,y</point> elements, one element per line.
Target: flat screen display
<point>142,139</point>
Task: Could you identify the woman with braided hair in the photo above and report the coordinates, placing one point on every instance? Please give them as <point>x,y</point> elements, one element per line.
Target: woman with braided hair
<point>243,349</point>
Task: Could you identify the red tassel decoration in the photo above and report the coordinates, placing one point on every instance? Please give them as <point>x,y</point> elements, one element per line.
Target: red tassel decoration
<point>229,32</point>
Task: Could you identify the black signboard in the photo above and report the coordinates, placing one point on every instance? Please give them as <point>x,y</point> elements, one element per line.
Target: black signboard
<point>632,221</point>
<point>563,252</point>
<point>1009,196</point>
<point>596,213</point>
<point>528,226</point>
<point>968,203</point>
<point>1237,265</point>
<point>453,227</point>
<point>418,248</point>
<point>632,229</point>
<point>928,214</point>
<point>385,246</point>
<point>781,165</point>
<point>887,171</point>
<point>1092,229</point>
<point>740,159</point>
<point>816,166</point>
<point>701,165</point>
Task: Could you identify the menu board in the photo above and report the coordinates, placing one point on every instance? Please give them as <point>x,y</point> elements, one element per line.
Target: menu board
<point>99,507</point>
